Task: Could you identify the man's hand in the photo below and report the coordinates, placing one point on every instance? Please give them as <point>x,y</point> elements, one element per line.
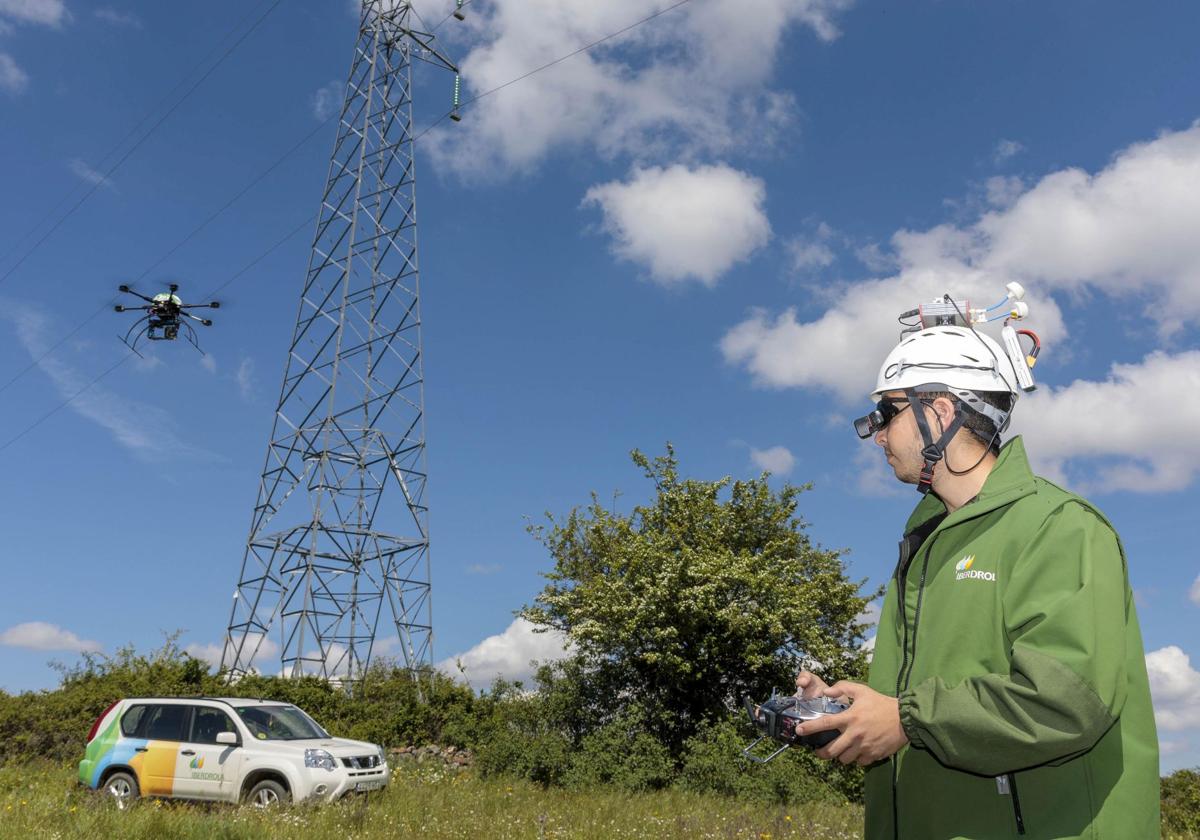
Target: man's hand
<point>870,728</point>
<point>809,685</point>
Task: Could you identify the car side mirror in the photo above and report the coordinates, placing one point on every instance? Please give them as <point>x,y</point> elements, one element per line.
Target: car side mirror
<point>229,738</point>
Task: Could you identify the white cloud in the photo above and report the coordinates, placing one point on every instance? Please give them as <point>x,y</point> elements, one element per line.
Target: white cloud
<point>875,258</point>
<point>145,430</point>
<point>684,223</point>
<point>1194,592</point>
<point>13,79</point>
<point>91,176</point>
<point>205,652</point>
<point>45,12</point>
<point>777,460</point>
<point>119,18</point>
<point>244,377</point>
<point>1006,149</point>
<point>209,362</point>
<point>265,656</point>
<point>1174,685</point>
<point>1065,426</point>
<point>1126,230</point>
<point>506,654</point>
<point>694,80</point>
<point>40,635</point>
<point>1003,190</point>
<point>809,252</point>
<point>327,101</point>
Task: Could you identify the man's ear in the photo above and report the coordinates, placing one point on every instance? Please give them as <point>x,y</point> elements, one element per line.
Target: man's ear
<point>944,408</point>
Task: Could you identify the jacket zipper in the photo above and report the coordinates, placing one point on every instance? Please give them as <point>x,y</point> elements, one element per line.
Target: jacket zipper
<point>1016,800</point>
<point>905,665</point>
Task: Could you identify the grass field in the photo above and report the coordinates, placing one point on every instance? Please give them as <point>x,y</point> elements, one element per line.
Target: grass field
<point>43,801</point>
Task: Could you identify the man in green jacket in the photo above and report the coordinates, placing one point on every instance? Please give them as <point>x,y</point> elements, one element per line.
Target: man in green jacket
<point>1007,693</point>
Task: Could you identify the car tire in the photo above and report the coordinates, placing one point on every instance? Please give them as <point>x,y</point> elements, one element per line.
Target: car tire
<point>268,794</point>
<point>123,788</point>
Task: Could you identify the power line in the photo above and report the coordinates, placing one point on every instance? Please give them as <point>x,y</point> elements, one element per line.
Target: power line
<point>552,63</point>
<point>137,145</point>
<point>447,17</point>
<point>191,235</point>
<point>123,359</point>
<point>137,126</point>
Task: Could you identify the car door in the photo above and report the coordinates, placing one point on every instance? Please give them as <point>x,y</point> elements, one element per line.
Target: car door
<point>163,726</point>
<point>206,769</point>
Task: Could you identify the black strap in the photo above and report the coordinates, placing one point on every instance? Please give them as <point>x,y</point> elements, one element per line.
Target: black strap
<point>933,452</point>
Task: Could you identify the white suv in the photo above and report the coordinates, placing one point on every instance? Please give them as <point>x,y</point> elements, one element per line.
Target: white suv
<point>224,748</point>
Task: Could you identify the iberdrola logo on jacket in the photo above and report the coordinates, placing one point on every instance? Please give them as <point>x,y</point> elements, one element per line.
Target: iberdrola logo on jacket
<point>964,571</point>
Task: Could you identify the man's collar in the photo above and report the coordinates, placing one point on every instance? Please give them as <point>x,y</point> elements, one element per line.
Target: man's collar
<point>1010,479</point>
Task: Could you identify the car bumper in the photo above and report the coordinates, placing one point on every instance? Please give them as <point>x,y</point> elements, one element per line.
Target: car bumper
<point>326,786</point>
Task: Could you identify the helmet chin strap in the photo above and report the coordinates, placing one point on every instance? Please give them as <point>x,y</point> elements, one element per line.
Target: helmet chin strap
<point>933,452</point>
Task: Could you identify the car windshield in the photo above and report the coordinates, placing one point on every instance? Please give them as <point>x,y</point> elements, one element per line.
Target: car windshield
<point>279,723</point>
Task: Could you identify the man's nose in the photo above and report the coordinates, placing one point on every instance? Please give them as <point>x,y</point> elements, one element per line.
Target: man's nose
<point>881,437</point>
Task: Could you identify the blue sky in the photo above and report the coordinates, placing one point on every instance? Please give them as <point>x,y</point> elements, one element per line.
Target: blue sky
<point>700,232</point>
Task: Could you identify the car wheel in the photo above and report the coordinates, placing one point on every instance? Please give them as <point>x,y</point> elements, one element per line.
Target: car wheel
<point>123,788</point>
<point>268,794</point>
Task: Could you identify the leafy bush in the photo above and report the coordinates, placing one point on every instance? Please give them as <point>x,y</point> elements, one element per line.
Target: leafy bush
<point>623,754</point>
<point>1181,803</point>
<point>713,763</point>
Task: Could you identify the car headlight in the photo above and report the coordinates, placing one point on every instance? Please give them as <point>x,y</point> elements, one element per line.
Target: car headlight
<point>320,759</point>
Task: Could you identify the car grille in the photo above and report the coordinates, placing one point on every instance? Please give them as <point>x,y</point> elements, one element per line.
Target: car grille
<point>361,762</point>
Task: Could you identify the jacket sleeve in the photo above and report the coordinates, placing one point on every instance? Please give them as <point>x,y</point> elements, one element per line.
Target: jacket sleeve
<point>1065,609</point>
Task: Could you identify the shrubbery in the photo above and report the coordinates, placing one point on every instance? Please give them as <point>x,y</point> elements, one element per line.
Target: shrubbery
<point>1181,802</point>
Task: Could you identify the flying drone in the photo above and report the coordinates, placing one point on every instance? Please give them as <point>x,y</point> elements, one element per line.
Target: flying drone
<point>165,315</point>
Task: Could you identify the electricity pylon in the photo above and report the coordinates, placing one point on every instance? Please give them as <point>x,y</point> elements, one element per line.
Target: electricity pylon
<point>339,539</point>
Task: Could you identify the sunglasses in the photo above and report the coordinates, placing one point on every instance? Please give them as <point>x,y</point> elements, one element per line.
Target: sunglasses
<point>885,411</point>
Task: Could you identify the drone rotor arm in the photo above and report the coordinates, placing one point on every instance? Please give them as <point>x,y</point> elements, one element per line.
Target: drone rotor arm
<point>127,290</point>
<point>203,321</point>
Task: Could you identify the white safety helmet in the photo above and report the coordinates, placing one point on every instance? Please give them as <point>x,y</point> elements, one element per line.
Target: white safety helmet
<point>957,358</point>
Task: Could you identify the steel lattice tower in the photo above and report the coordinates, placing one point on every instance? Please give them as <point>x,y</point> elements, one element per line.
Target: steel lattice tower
<point>338,538</point>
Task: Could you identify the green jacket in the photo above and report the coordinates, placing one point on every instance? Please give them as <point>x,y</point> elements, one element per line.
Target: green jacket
<point>1010,636</point>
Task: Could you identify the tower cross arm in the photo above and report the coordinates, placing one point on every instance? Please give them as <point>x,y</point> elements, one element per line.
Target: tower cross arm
<point>429,53</point>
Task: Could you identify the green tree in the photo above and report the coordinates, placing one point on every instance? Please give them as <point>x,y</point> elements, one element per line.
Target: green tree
<point>710,592</point>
